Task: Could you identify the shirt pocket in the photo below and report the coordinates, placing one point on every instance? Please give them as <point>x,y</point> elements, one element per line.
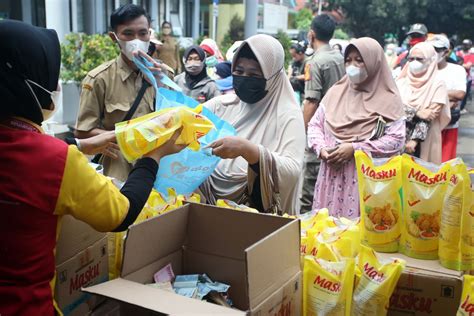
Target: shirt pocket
<point>114,113</point>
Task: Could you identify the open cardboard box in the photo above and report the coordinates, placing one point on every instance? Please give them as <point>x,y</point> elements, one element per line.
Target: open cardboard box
<point>256,254</point>
<point>425,288</point>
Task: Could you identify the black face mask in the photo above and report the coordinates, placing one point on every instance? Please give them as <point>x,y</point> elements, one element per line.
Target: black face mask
<point>249,89</point>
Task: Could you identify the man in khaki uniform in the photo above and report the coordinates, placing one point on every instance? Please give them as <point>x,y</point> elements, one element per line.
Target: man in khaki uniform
<point>322,71</point>
<point>109,90</point>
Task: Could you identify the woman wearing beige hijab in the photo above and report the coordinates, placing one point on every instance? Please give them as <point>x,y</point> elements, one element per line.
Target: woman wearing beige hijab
<point>425,100</point>
<point>362,111</point>
<point>262,165</point>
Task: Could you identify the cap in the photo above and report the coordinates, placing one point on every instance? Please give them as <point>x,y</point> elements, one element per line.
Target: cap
<point>231,51</point>
<point>440,41</point>
<point>419,28</point>
<point>467,42</point>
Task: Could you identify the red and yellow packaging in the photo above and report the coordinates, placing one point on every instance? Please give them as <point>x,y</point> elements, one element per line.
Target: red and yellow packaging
<point>466,308</point>
<point>380,195</point>
<point>424,187</point>
<point>327,287</point>
<point>376,283</point>
<point>455,212</point>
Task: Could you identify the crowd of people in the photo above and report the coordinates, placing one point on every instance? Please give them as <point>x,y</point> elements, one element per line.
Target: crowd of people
<point>296,128</point>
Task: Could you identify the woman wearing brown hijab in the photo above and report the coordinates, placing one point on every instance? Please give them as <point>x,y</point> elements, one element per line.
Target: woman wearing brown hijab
<point>362,111</point>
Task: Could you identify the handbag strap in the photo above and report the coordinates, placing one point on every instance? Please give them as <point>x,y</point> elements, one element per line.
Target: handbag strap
<point>135,103</point>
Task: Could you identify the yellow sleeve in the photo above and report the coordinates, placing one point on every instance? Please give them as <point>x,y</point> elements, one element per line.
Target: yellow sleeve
<point>89,196</point>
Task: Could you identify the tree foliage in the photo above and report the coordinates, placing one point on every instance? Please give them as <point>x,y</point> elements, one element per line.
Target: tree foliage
<point>285,41</point>
<point>235,33</point>
<point>80,53</point>
<point>303,19</point>
<point>374,18</point>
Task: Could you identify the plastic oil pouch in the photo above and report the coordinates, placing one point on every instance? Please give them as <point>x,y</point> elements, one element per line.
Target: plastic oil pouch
<point>466,308</point>
<point>455,211</point>
<point>380,196</point>
<point>424,187</point>
<point>188,169</point>
<point>376,283</point>
<point>327,287</point>
<point>146,133</point>
<point>234,206</point>
<point>467,229</point>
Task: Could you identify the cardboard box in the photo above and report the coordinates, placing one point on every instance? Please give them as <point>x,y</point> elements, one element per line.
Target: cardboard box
<point>258,255</point>
<point>425,288</point>
<point>74,237</point>
<point>81,260</point>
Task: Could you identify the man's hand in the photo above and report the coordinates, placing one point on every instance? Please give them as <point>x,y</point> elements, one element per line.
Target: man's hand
<point>155,68</point>
<point>103,143</point>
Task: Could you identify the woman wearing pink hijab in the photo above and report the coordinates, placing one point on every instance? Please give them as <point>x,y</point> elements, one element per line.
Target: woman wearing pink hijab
<point>425,100</point>
<point>362,111</point>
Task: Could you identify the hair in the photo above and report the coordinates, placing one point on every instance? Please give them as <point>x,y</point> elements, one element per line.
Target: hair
<point>300,49</point>
<point>323,25</point>
<point>166,22</point>
<point>127,13</point>
<point>246,52</point>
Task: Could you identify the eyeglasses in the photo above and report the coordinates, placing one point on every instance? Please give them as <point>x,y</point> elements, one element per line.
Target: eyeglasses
<point>440,49</point>
<point>420,59</point>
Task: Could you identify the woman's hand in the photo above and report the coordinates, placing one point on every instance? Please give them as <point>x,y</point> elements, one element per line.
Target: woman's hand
<point>343,154</point>
<point>232,147</point>
<point>410,146</point>
<point>430,113</point>
<point>167,148</point>
<point>103,143</point>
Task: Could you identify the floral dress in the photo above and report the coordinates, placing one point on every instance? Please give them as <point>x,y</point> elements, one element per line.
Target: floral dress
<point>336,189</point>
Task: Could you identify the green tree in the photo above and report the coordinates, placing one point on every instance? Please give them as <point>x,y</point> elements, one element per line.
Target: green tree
<point>235,33</point>
<point>303,19</point>
<point>80,53</point>
<point>374,18</point>
<point>285,41</point>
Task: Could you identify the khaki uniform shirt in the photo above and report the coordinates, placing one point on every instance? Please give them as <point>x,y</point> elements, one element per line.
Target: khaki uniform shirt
<point>322,71</point>
<point>107,95</point>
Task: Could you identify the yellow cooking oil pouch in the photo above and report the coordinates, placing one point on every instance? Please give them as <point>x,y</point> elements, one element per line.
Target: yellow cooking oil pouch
<point>456,204</point>
<point>466,308</point>
<point>424,187</point>
<point>467,228</point>
<point>327,287</point>
<point>310,219</point>
<point>141,135</point>
<point>376,283</point>
<point>380,198</point>
<point>234,206</point>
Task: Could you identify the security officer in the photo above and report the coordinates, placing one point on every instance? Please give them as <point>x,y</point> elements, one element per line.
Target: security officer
<point>323,69</point>
<point>109,90</point>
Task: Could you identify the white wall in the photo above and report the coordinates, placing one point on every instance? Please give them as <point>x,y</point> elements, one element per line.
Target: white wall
<point>57,16</point>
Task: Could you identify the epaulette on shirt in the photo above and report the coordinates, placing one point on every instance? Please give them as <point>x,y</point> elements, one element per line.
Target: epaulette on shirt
<point>95,72</point>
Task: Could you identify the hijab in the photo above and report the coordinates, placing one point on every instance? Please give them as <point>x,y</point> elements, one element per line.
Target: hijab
<point>28,52</point>
<point>420,92</point>
<point>275,122</point>
<point>213,45</point>
<point>192,80</point>
<point>352,110</point>
<point>223,69</point>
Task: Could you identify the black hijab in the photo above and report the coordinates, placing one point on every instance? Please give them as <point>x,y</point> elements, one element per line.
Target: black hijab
<point>193,80</point>
<point>28,52</point>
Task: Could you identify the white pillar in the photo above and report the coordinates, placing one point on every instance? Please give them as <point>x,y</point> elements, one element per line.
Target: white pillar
<point>196,16</point>
<point>154,14</point>
<point>26,11</point>
<point>57,16</point>
<point>251,16</point>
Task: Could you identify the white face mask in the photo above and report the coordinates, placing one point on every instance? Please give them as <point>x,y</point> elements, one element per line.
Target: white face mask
<point>416,67</point>
<point>128,47</point>
<point>56,97</point>
<point>356,75</point>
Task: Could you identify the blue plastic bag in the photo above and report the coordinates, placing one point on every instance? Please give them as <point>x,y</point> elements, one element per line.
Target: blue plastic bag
<point>188,169</point>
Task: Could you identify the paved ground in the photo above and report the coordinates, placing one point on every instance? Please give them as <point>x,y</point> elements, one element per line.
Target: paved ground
<point>466,135</point>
